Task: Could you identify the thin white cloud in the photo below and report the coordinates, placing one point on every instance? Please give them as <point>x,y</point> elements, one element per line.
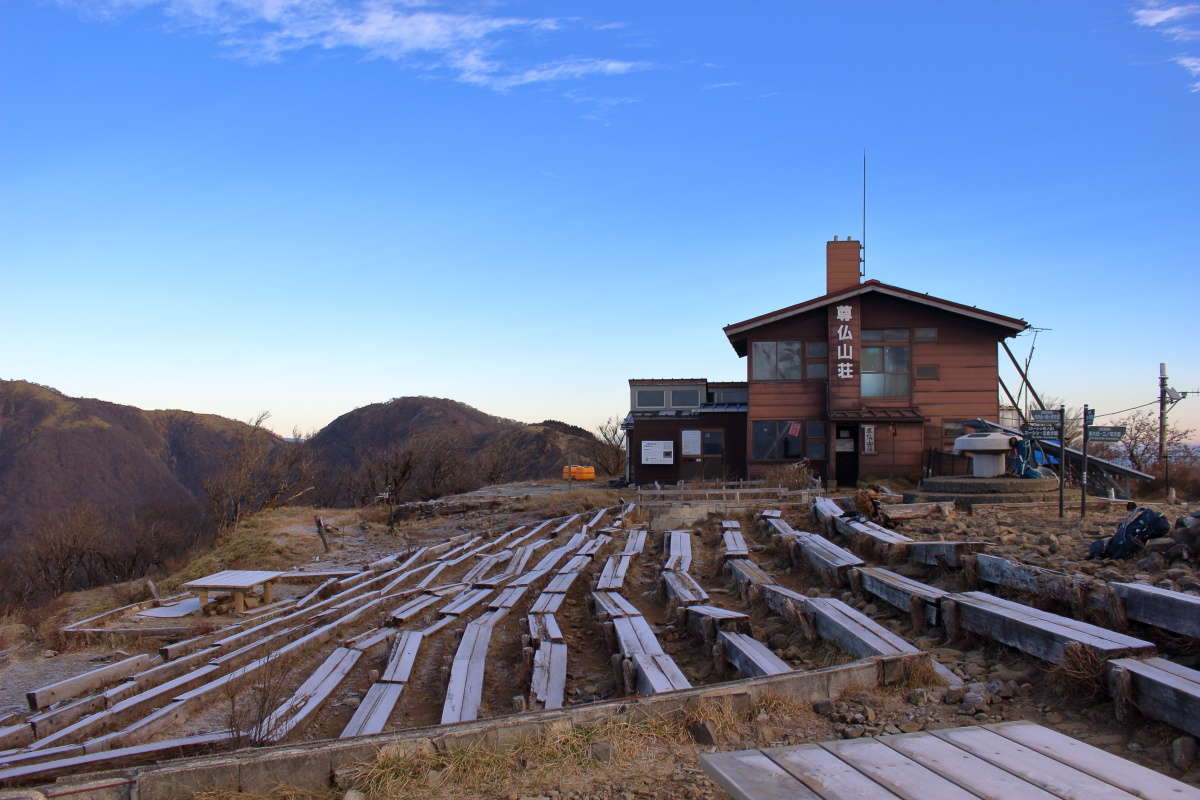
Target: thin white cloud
<point>1192,65</point>
<point>1151,15</point>
<point>1157,14</point>
<point>724,85</point>
<point>463,43</point>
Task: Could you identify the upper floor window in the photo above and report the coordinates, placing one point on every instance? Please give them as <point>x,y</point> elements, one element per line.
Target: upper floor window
<point>789,361</point>
<point>783,440</point>
<point>885,367</point>
<point>728,396</point>
<point>925,334</point>
<point>651,398</point>
<point>685,398</point>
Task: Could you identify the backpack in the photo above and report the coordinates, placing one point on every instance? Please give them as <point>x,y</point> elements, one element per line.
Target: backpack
<point>1141,525</point>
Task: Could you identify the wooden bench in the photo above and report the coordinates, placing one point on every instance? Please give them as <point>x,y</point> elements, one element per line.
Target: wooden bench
<point>783,601</point>
<point>316,689</point>
<point>549,682</point>
<point>656,673</point>
<point>403,655</point>
<point>1172,611</point>
<point>1159,688</point>
<point>735,544</point>
<point>543,628</point>
<point>747,576</point>
<point>678,545</point>
<point>1005,761</point>
<point>853,631</point>
<point>464,691</point>
<point>1031,630</point>
<point>921,600</point>
<point>826,558</point>
<point>634,635</point>
<point>374,711</point>
<point>872,539</point>
<point>825,513</point>
<point>607,605</point>
<point>730,524</point>
<point>562,526</point>
<point>751,657</point>
<point>86,682</point>
<point>413,608</point>
<point>508,598</point>
<point>547,603</point>
<point>612,576</point>
<point>680,589</point>
<point>707,621</point>
<point>1048,583</point>
<point>635,543</point>
<point>464,602</point>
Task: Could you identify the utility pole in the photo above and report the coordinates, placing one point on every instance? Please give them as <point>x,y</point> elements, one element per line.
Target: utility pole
<point>1083,469</point>
<point>1062,457</point>
<point>1163,455</point>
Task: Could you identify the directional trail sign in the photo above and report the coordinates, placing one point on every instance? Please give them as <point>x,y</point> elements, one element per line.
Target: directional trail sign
<point>1105,433</point>
<point>1040,431</point>
<point>1048,415</point>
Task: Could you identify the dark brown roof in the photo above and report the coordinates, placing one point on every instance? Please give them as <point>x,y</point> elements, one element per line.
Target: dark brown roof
<point>910,414</point>
<point>736,332</point>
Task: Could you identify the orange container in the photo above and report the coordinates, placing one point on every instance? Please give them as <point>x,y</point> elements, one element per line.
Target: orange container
<point>575,472</point>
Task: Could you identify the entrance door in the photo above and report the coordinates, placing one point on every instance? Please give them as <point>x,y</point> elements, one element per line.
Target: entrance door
<point>845,446</point>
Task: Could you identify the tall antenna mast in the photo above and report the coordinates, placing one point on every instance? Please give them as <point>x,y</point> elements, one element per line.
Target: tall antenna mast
<point>862,270</point>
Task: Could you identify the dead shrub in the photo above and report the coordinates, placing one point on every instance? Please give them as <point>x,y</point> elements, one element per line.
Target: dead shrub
<point>1082,668</point>
<point>720,716</point>
<point>797,475</point>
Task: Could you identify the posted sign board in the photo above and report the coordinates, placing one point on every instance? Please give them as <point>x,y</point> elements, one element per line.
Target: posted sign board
<point>689,443</point>
<point>658,452</point>
<point>1048,415</point>
<point>1040,431</point>
<point>1105,433</point>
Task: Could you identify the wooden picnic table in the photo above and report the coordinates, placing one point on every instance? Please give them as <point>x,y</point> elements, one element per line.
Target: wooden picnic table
<point>237,582</point>
<point>1008,760</point>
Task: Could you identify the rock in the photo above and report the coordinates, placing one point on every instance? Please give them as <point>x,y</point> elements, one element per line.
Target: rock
<point>1183,752</point>
<point>354,794</point>
<point>778,641</point>
<point>1152,562</point>
<point>972,703</point>
<point>919,697</point>
<point>890,728</point>
<point>823,707</point>
<point>602,751</point>
<point>1106,739</point>
<point>1160,545</point>
<point>701,732</point>
<point>49,653</point>
<point>911,725</point>
<point>853,731</point>
<point>954,696</point>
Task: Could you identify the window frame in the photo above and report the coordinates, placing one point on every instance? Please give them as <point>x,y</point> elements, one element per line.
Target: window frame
<point>673,404</point>
<point>882,339</point>
<point>936,376</point>
<point>637,398</point>
<point>806,440</point>
<point>802,348</point>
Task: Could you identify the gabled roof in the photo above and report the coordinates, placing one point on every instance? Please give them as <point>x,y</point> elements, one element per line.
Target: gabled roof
<point>738,330</point>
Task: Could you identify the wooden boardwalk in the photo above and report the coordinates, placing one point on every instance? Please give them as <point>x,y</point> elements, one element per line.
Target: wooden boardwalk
<point>1005,761</point>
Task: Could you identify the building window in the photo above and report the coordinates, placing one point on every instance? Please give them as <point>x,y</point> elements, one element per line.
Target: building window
<point>728,396</point>
<point>712,443</point>
<point>784,361</point>
<point>651,398</point>
<point>885,367</point>
<point>685,398</point>
<point>784,440</point>
<point>925,334</point>
<point>927,371</point>
<point>816,364</point>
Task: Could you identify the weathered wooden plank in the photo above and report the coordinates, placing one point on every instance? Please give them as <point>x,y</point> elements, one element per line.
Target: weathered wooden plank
<point>750,775</point>
<point>563,525</point>
<point>403,656</point>
<point>679,550</point>
<point>681,589</point>
<point>747,575</point>
<point>1035,580</point>
<point>373,712</point>
<point>465,601</point>
<point>981,778</point>
<point>1133,778</point>
<point>1049,773</point>
<point>547,603</point>
<point>1164,691</point>
<point>948,554</point>
<point>562,582</point>
<point>92,679</point>
<point>1038,632</point>
<point>896,771</point>
<point>179,746</point>
<point>1162,608</point>
<point>735,544</point>
<point>852,630</point>
<point>826,774</point>
<point>825,557</point>
<point>556,678</point>
<point>783,601</point>
<point>413,608</point>
<point>751,657</point>
<point>635,543</point>
<point>294,712</point>
<point>730,524</point>
<point>899,511</point>
<point>508,597</point>
<point>899,591</point>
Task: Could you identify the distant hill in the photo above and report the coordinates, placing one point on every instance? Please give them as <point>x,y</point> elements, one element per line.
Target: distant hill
<point>503,449</point>
<point>59,452</point>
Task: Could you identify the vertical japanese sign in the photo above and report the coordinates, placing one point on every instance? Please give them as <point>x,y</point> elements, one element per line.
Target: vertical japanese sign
<point>844,344</point>
<point>868,439</point>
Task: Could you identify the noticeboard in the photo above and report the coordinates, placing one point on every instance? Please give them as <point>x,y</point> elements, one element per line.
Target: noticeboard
<point>1105,433</point>
<point>1040,431</point>
<point>689,443</point>
<point>658,452</point>
<point>1047,415</point>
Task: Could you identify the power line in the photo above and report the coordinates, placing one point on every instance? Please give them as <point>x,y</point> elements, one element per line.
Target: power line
<point>1123,410</point>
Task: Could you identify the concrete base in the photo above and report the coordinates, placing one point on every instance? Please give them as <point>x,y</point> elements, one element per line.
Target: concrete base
<point>967,484</point>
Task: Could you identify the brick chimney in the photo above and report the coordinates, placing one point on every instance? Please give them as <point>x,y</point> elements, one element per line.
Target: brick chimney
<point>842,259</point>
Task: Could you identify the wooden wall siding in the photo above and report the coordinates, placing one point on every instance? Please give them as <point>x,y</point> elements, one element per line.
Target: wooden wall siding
<point>668,430</point>
<point>901,454</point>
<point>844,393</point>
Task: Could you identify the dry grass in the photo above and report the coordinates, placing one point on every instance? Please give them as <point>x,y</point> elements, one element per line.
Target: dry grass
<point>278,793</point>
<point>537,762</point>
<point>571,501</point>
<point>780,705</point>
<point>1082,668</point>
<point>723,720</point>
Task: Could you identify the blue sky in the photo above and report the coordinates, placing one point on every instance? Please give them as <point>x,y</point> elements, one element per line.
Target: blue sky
<point>304,206</point>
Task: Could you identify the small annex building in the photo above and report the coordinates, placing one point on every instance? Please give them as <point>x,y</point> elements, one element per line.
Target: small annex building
<point>862,381</point>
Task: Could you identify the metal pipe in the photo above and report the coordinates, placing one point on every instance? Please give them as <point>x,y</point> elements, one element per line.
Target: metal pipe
<point>1007,393</point>
<point>1021,372</point>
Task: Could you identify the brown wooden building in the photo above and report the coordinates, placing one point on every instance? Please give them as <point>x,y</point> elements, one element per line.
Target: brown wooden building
<point>862,381</point>
<point>685,429</point>
<point>866,378</point>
